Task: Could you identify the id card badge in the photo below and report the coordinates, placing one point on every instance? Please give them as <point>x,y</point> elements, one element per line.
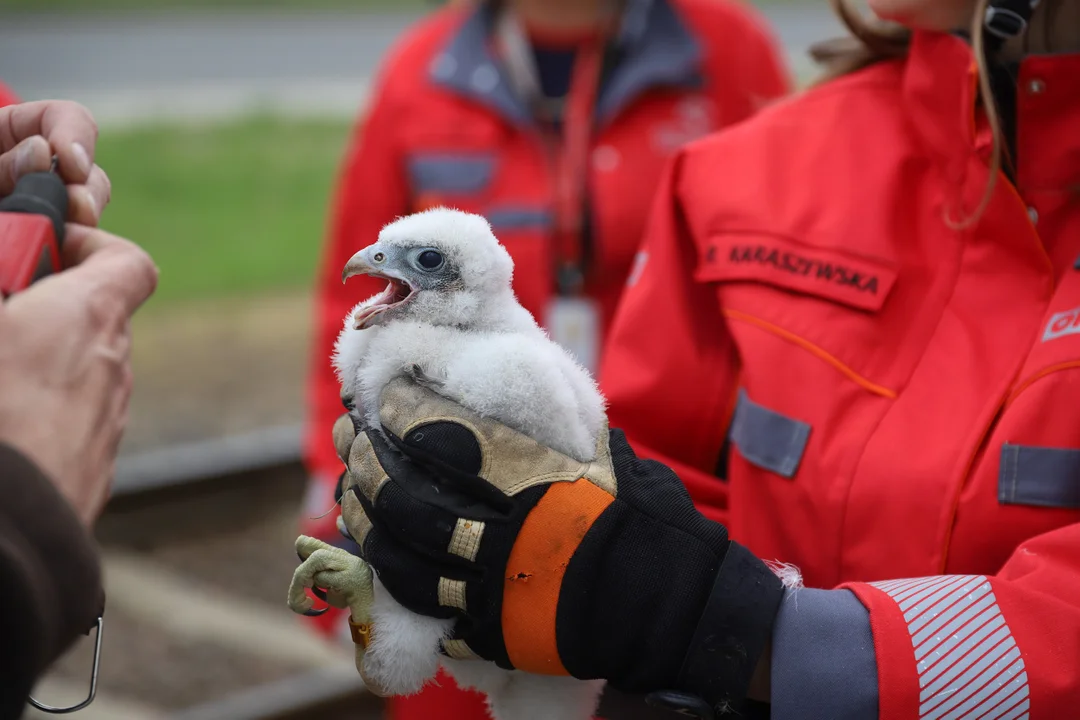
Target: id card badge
<point>574,323</point>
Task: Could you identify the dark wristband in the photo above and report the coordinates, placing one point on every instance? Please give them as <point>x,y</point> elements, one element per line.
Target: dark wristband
<point>732,632</point>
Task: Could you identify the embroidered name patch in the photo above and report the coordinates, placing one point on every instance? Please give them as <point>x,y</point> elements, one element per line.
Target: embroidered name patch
<point>854,281</point>
<point>1062,323</point>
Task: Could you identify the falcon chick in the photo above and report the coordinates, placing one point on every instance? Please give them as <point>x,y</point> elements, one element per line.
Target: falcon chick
<point>449,319</point>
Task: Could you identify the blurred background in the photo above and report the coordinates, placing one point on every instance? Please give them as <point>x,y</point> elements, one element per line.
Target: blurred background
<point>222,128</point>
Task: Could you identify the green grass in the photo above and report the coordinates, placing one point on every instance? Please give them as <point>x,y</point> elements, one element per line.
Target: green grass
<point>224,209</point>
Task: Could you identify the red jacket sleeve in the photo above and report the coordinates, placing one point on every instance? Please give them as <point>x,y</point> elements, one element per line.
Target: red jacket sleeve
<point>669,357</point>
<point>993,647</point>
<point>371,192</point>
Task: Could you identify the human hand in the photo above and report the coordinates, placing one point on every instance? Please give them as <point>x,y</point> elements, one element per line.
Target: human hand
<point>65,371</point>
<point>551,566</point>
<point>31,133</point>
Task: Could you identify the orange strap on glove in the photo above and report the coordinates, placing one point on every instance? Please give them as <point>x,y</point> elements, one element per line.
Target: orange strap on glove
<point>553,566</point>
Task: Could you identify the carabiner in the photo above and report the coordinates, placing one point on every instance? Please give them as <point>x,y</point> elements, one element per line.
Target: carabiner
<point>93,680</point>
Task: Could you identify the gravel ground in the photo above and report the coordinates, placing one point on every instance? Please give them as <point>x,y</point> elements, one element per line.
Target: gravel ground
<point>252,522</point>
<point>141,662</point>
<point>235,538</point>
<point>198,535</point>
<point>217,368</point>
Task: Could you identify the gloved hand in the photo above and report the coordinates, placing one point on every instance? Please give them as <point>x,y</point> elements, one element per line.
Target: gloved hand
<point>552,566</point>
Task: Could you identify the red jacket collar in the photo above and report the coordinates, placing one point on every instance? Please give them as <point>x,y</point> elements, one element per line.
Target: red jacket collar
<point>941,91</point>
<point>941,97</point>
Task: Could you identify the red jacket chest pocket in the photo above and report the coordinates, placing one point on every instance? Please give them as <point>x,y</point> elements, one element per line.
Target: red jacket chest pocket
<point>1039,461</point>
<point>797,311</point>
<point>826,339</point>
<point>1027,481</point>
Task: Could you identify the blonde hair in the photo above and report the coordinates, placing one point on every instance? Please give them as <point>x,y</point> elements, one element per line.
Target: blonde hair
<point>874,41</point>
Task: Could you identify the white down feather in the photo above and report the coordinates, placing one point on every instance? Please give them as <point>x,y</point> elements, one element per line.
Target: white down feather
<point>489,356</point>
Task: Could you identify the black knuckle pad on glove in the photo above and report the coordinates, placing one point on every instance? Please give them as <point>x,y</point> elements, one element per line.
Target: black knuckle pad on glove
<point>415,581</point>
<point>432,481</point>
<point>425,528</point>
<point>449,442</point>
<point>406,508</point>
<point>451,453</point>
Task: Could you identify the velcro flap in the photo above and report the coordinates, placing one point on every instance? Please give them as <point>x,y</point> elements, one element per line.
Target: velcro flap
<point>1041,476</point>
<point>842,277</point>
<point>768,439</point>
<point>518,218</point>
<point>450,172</point>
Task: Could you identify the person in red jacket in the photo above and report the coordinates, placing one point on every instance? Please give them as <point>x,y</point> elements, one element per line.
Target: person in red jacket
<point>553,120</point>
<point>854,335</point>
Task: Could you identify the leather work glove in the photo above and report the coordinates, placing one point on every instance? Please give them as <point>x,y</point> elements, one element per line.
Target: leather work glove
<point>601,570</point>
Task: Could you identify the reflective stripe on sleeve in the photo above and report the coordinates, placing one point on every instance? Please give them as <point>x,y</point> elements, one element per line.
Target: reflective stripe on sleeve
<point>968,663</point>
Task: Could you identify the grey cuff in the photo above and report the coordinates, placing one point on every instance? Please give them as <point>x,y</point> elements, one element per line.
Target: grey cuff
<point>823,664</point>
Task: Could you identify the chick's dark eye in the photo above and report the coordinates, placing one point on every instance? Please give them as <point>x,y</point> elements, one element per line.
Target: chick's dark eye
<point>429,259</point>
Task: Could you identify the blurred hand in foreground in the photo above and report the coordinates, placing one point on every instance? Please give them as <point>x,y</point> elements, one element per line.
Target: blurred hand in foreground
<point>65,371</point>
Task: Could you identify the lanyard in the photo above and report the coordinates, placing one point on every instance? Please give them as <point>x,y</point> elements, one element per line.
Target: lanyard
<point>568,155</point>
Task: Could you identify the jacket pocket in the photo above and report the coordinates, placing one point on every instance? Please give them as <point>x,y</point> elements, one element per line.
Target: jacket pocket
<point>450,173</point>
<point>1040,476</point>
<point>768,439</point>
<point>514,218</point>
<point>859,282</point>
<point>850,310</point>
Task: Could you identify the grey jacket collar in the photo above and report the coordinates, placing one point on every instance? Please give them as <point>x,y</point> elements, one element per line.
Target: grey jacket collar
<point>657,49</point>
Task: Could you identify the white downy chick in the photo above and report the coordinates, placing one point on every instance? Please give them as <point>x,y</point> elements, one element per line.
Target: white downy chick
<point>448,315</point>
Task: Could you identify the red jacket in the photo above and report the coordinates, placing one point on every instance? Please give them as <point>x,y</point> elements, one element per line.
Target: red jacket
<point>901,393</point>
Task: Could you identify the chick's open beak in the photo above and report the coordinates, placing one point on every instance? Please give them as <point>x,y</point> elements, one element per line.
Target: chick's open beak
<point>357,265</point>
<point>397,292</point>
